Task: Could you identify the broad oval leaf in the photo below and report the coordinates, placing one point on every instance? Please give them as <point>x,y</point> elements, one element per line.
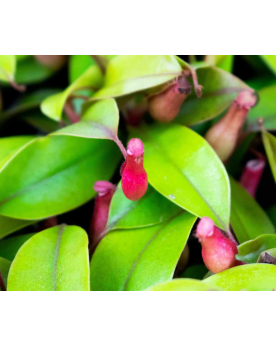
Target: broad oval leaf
<point>4,269</point>
<point>133,260</point>
<point>182,285</point>
<point>53,260</point>
<point>10,246</point>
<point>250,277</point>
<point>127,74</point>
<point>270,148</point>
<point>149,210</point>
<point>9,225</point>
<point>53,105</point>
<point>220,88</point>
<point>247,218</point>
<point>54,174</point>
<point>183,167</point>
<point>251,250</point>
<point>7,67</point>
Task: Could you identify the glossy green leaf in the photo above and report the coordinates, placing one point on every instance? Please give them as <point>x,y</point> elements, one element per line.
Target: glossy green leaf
<point>183,167</point>
<point>270,61</point>
<point>196,271</point>
<point>30,71</point>
<point>101,120</point>
<point>9,225</point>
<point>265,109</point>
<point>78,64</point>
<point>10,246</point>
<point>225,62</point>
<point>53,105</point>
<point>53,260</point>
<point>54,174</point>
<point>7,67</point>
<point>251,277</point>
<point>182,285</point>
<point>150,210</point>
<point>251,250</point>
<point>36,119</point>
<point>136,259</point>
<point>220,88</point>
<point>247,218</point>
<point>4,269</point>
<point>270,148</point>
<point>127,74</point>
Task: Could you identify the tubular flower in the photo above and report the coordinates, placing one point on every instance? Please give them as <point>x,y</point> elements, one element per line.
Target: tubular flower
<point>134,177</point>
<point>224,135</point>
<point>103,199</point>
<point>218,251</point>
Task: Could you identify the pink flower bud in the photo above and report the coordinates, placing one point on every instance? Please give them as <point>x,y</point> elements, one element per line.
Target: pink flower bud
<point>224,135</point>
<point>165,106</point>
<point>252,175</point>
<point>103,199</point>
<point>134,177</point>
<point>52,61</point>
<point>218,251</point>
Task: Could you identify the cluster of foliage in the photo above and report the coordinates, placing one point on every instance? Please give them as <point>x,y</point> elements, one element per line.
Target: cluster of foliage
<point>173,160</point>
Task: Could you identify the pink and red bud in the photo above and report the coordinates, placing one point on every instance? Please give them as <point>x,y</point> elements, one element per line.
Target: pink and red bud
<point>103,199</point>
<point>165,105</point>
<point>218,251</point>
<point>134,176</point>
<point>52,61</point>
<point>252,175</point>
<point>224,135</point>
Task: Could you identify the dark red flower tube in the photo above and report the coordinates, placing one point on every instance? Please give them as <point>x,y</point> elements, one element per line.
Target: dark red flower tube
<point>165,105</point>
<point>103,199</point>
<point>218,251</point>
<point>252,175</point>
<point>134,176</point>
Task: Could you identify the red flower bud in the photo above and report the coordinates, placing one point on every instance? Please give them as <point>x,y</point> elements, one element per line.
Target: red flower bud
<point>52,61</point>
<point>165,106</point>
<point>218,251</point>
<point>134,177</point>
<point>101,209</point>
<point>252,175</point>
<point>224,135</point>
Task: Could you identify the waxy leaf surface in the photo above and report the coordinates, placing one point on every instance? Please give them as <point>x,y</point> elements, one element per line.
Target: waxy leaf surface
<point>247,218</point>
<point>10,246</point>
<point>133,260</point>
<point>251,277</point>
<point>53,260</point>
<point>183,167</point>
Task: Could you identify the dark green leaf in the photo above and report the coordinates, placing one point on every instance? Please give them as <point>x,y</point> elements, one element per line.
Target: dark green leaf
<point>9,225</point>
<point>10,246</point>
<point>270,148</point>
<point>197,271</point>
<point>53,260</point>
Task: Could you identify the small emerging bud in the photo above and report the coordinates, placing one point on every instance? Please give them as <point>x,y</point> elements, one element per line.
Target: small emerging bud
<point>252,175</point>
<point>134,177</point>
<point>103,199</point>
<point>224,135</point>
<point>218,251</point>
<point>52,61</point>
<point>165,106</point>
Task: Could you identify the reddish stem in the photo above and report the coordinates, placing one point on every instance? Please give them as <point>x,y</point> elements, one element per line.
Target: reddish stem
<point>2,284</point>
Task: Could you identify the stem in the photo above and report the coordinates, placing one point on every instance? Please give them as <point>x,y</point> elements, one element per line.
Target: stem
<point>70,113</point>
<point>101,62</point>
<point>2,284</point>
<point>20,88</point>
<point>120,145</point>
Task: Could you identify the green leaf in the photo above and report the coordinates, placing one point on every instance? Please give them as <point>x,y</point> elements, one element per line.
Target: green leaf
<point>53,260</point>
<point>150,210</point>
<point>247,218</point>
<point>39,121</point>
<point>270,148</point>
<point>131,260</point>
<point>10,246</point>
<point>101,120</point>
<point>7,67</point>
<point>53,105</point>
<point>196,271</point>
<point>183,167</point>
<point>251,250</point>
<point>225,62</point>
<point>127,74</point>
<point>220,88</point>
<point>251,277</point>
<point>30,71</point>
<point>4,269</point>
<point>270,61</point>
<point>9,225</point>
<point>271,213</point>
<point>78,64</point>
<point>265,109</point>
<point>182,285</point>
<point>54,174</point>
